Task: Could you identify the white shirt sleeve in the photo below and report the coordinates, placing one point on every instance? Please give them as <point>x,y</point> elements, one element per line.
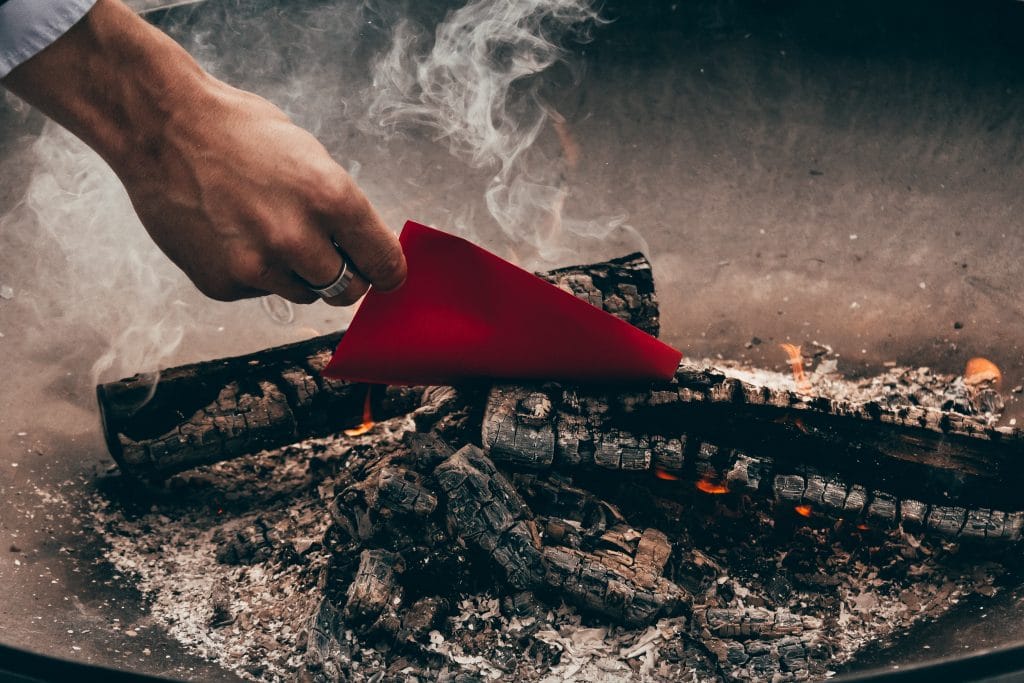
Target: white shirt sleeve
<point>28,26</point>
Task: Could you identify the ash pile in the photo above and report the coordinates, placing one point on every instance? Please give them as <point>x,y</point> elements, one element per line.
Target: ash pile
<point>729,525</point>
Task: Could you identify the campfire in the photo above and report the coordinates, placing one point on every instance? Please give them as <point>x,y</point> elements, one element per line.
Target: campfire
<point>729,522</point>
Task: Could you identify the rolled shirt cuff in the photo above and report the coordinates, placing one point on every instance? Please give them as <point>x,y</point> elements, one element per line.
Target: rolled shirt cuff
<point>29,26</point>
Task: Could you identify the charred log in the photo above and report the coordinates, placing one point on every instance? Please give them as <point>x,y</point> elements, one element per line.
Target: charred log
<point>211,411</point>
<point>707,426</point>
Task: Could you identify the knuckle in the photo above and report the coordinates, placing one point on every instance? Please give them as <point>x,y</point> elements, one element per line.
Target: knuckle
<point>333,188</point>
<point>286,242</point>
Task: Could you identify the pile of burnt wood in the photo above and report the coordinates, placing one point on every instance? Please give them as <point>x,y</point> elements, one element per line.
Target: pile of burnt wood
<point>575,493</point>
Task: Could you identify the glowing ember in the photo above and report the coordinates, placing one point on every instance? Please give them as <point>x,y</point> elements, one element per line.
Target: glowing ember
<point>981,370</point>
<point>804,510</point>
<point>663,474</point>
<point>796,364</point>
<point>368,422</point>
<point>863,527</point>
<point>708,486</point>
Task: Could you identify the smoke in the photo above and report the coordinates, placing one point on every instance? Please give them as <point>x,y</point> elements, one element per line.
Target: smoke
<point>462,91</point>
<point>78,259</point>
<point>476,87</point>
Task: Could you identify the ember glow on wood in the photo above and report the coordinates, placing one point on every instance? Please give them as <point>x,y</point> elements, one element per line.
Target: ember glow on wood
<point>465,314</point>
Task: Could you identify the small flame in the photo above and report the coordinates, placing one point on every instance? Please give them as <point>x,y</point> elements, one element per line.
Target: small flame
<point>981,370</point>
<point>796,364</point>
<point>368,422</point>
<point>664,474</point>
<point>804,510</point>
<point>863,527</point>
<point>708,486</point>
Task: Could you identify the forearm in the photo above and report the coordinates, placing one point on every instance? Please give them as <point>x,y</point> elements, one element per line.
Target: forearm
<point>113,80</point>
<point>244,201</point>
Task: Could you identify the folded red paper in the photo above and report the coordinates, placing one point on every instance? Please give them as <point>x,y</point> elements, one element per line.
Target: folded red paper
<point>463,314</point>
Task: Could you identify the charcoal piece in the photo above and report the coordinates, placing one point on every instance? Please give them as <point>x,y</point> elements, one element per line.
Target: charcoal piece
<point>946,520</point>
<point>449,412</point>
<point>518,427</point>
<point>706,451</point>
<point>746,473</point>
<point>652,553</point>
<point>592,584</point>
<point>856,499</point>
<point>789,487</point>
<point>623,287</point>
<point>667,454</point>
<point>522,604</point>
<point>882,508</point>
<point>400,490</point>
<point>374,595</point>
<point>752,623</point>
<point>483,509</point>
<point>573,441</point>
<point>815,490</point>
<point>834,495</point>
<point>980,523</point>
<point>322,647</point>
<point>913,514</point>
<point>422,616</point>
<point>1014,525</point>
<point>427,451</point>
<point>206,412</point>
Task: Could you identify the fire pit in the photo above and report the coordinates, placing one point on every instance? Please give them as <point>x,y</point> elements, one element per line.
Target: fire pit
<point>828,483</point>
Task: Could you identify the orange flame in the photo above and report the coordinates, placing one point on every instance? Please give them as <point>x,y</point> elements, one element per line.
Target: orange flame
<point>980,370</point>
<point>664,474</point>
<point>368,422</point>
<point>863,527</point>
<point>708,486</point>
<point>796,364</point>
<point>804,510</point>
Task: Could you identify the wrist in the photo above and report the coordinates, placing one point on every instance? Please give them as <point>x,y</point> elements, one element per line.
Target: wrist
<point>114,81</point>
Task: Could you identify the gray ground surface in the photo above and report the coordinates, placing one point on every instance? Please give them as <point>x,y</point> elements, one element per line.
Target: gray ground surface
<point>842,173</point>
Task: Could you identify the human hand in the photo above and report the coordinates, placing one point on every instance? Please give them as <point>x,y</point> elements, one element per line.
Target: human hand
<point>247,203</point>
<point>241,199</point>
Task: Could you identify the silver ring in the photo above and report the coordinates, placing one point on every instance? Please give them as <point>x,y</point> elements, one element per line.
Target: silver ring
<point>340,284</point>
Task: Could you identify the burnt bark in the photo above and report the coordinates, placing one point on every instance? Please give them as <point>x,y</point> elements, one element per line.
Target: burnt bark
<point>922,468</point>
<point>206,412</point>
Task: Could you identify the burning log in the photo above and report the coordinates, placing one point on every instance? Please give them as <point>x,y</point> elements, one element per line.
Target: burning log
<point>206,412</point>
<point>889,465</point>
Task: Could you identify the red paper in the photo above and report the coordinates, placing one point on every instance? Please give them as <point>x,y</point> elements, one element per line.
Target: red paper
<point>463,314</point>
